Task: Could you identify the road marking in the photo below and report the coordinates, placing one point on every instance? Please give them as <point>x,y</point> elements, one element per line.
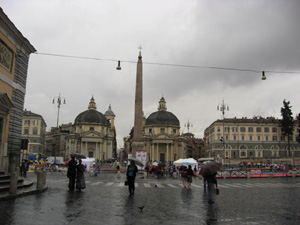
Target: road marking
<point>197,186</point>
<point>147,185</point>
<point>96,183</point>
<point>159,186</point>
<point>171,185</point>
<point>109,184</point>
<point>222,186</point>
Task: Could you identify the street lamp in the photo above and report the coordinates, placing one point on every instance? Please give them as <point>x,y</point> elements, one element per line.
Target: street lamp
<point>223,107</point>
<point>59,102</point>
<point>59,99</point>
<point>188,125</point>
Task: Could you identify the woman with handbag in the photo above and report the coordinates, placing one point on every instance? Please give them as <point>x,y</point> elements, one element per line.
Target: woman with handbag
<point>131,174</point>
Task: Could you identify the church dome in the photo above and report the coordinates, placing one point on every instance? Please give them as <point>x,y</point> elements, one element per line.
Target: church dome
<point>162,116</point>
<point>91,115</point>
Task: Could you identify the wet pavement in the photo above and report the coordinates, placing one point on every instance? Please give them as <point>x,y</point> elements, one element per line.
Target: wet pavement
<point>107,201</point>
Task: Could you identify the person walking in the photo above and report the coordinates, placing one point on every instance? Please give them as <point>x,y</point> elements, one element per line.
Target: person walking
<point>80,181</point>
<point>131,174</point>
<point>25,167</point>
<point>118,171</point>
<point>72,173</point>
<point>211,181</point>
<point>190,174</point>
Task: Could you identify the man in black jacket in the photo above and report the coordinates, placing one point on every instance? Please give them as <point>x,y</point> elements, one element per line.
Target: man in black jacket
<point>72,173</point>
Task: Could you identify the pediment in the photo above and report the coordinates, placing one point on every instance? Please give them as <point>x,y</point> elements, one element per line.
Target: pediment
<point>162,136</point>
<point>91,134</point>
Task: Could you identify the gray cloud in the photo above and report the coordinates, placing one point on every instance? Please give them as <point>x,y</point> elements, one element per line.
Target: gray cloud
<point>256,35</point>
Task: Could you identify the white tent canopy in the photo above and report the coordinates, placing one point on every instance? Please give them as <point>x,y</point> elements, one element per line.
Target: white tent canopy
<point>186,162</point>
<point>88,163</point>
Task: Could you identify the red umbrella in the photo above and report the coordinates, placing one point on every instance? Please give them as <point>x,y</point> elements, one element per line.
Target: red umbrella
<point>210,168</point>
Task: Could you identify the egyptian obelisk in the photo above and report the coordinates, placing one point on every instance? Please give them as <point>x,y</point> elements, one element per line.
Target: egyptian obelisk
<point>137,143</point>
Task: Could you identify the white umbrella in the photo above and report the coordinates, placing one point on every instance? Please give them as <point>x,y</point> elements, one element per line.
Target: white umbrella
<point>189,161</point>
<point>155,164</point>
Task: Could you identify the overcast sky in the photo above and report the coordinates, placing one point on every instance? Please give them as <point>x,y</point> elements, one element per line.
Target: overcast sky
<point>254,35</point>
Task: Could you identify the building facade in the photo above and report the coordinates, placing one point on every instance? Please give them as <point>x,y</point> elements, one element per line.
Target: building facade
<point>14,57</point>
<point>161,138</point>
<point>93,134</point>
<point>256,139</point>
<point>33,130</point>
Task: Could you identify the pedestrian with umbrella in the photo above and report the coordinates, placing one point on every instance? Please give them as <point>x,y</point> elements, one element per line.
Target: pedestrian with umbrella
<point>72,173</point>
<point>209,172</point>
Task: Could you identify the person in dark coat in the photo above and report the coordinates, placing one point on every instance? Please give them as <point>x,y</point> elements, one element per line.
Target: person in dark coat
<point>72,173</point>
<point>211,181</point>
<point>131,174</point>
<point>190,174</point>
<point>25,167</point>
<point>80,181</point>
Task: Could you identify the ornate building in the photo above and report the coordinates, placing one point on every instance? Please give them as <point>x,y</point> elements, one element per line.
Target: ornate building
<point>161,137</point>
<point>14,57</point>
<point>242,139</point>
<point>33,129</point>
<point>93,135</point>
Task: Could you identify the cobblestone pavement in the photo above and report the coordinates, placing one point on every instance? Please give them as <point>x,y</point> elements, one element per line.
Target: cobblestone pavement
<point>107,201</point>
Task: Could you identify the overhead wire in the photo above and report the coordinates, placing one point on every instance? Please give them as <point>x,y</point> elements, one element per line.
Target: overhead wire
<point>167,64</point>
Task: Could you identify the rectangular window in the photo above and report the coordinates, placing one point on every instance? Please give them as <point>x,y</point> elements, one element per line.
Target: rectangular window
<point>243,138</point>
<point>227,129</point>
<point>91,154</point>
<point>258,137</point>
<point>267,129</point>
<point>267,138</point>
<point>219,129</point>
<point>174,131</point>
<point>274,138</point>
<point>274,129</point>
<point>250,138</point>
<point>243,153</point>
<point>162,130</point>
<point>234,137</point>
<point>26,130</point>
<point>242,129</point>
<point>282,138</point>
<point>92,128</point>
<point>234,129</point>
<point>150,131</point>
<point>258,129</point>
<point>35,122</point>
<point>226,137</point>
<point>250,129</point>
<point>35,131</point>
<point>26,122</point>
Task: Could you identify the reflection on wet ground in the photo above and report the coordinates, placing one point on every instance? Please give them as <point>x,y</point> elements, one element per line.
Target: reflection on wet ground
<point>106,201</point>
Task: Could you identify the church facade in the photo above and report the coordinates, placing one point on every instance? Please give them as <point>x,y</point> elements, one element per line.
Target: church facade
<point>161,136</point>
<point>93,134</point>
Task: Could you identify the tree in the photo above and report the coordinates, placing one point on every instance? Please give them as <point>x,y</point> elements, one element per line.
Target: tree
<point>298,129</point>
<point>287,122</point>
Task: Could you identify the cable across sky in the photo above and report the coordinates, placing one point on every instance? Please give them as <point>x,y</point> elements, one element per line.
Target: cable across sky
<point>167,64</point>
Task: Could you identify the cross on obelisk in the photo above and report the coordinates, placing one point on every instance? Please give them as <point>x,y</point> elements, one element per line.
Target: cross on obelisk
<point>137,143</point>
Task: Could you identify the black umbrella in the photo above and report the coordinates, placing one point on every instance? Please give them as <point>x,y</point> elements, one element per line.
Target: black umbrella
<point>210,168</point>
<point>137,162</point>
<point>78,156</point>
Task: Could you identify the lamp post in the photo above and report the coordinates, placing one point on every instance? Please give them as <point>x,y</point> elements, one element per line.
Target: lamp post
<point>59,99</point>
<point>223,107</point>
<point>188,125</point>
<point>59,102</point>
